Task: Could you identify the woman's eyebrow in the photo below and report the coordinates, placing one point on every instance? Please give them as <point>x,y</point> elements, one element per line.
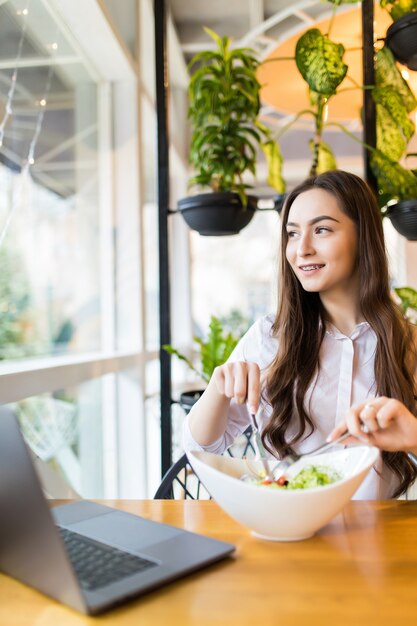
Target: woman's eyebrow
<point>315,220</point>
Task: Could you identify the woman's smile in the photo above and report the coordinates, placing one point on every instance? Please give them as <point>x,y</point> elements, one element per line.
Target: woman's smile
<point>309,269</point>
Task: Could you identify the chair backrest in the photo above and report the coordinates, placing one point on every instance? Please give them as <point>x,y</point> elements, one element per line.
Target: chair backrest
<point>180,482</point>
<point>242,447</point>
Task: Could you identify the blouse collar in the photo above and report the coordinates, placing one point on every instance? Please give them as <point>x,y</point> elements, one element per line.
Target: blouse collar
<point>336,334</point>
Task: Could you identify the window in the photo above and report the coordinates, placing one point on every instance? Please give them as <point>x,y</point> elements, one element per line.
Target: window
<point>71,324</point>
<point>241,274</point>
<point>49,216</point>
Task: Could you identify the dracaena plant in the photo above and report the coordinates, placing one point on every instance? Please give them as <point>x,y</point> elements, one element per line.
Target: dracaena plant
<point>224,112</point>
<point>214,350</point>
<point>321,63</point>
<point>407,297</point>
<point>394,101</point>
<point>398,8</point>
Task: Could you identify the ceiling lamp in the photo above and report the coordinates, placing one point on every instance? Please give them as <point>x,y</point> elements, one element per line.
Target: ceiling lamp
<point>284,88</point>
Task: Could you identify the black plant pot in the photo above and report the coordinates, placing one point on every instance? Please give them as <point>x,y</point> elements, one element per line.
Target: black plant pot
<point>403,216</point>
<point>217,213</point>
<point>189,398</point>
<point>401,38</point>
<point>279,200</point>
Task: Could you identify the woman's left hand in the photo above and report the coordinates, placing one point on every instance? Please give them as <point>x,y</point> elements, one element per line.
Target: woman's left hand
<point>389,425</point>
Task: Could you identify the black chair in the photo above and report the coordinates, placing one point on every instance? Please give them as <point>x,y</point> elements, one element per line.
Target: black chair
<point>180,482</point>
<point>245,442</point>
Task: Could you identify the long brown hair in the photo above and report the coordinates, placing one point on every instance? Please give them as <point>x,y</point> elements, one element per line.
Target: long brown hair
<point>299,324</point>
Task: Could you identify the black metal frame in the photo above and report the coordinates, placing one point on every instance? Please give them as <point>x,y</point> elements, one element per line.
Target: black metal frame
<point>161,69</point>
<point>369,117</point>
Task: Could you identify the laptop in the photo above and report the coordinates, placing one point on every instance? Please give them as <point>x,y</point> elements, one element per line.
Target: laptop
<point>88,556</point>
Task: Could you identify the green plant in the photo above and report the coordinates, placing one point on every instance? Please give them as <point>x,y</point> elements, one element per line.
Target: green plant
<point>224,109</point>
<point>320,62</point>
<point>408,300</point>
<point>18,324</point>
<point>398,8</point>
<point>394,101</point>
<point>214,351</point>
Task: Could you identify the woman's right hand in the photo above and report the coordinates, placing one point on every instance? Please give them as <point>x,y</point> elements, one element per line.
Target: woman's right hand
<point>240,381</point>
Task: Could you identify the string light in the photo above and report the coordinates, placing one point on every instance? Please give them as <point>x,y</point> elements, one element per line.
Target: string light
<point>30,159</point>
<point>10,95</point>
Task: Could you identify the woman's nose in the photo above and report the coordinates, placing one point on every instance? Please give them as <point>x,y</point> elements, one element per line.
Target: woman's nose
<point>305,245</point>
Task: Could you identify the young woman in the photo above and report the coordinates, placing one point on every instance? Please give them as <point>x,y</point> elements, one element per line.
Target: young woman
<point>337,337</point>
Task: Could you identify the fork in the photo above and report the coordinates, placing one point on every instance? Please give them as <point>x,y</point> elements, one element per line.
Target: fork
<point>290,459</point>
<point>261,452</point>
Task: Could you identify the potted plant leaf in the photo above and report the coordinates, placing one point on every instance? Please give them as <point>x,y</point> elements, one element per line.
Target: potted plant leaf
<point>226,134</point>
<point>408,302</point>
<point>397,183</point>
<point>401,36</point>
<point>321,63</point>
<point>213,351</point>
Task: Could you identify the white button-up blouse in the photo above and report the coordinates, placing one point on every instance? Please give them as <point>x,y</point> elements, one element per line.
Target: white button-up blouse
<point>345,378</point>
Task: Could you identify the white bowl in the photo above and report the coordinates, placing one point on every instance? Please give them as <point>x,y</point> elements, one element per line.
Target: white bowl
<point>283,515</point>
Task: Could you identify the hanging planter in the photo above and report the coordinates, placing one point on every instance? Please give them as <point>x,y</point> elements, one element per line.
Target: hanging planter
<point>189,398</point>
<point>224,109</point>
<point>401,38</point>
<point>217,213</point>
<point>279,200</point>
<point>403,216</point>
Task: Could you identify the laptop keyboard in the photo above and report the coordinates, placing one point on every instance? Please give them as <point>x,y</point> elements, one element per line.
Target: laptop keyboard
<point>97,564</point>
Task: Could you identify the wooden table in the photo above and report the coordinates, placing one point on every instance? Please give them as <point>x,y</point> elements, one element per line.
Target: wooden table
<point>361,569</point>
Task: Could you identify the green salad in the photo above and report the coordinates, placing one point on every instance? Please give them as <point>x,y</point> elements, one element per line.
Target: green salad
<point>307,478</point>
